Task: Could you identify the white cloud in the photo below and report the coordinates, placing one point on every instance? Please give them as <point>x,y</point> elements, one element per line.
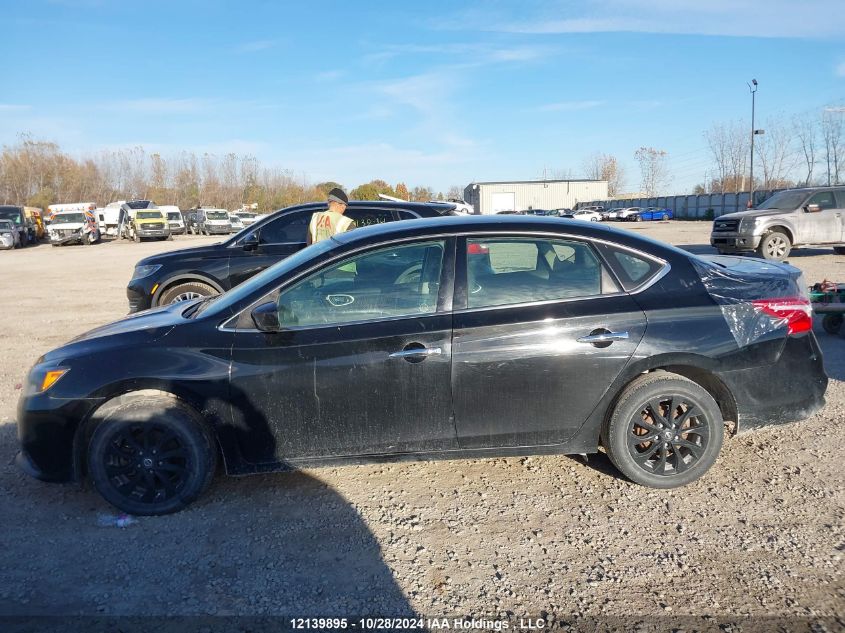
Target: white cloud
<point>570,106</point>
<point>257,46</point>
<point>14,107</point>
<point>812,19</point>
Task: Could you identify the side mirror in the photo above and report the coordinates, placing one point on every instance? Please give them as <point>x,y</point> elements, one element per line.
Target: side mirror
<point>812,208</point>
<point>250,242</point>
<point>266,317</point>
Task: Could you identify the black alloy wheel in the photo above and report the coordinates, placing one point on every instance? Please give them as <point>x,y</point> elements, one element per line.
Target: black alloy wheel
<point>665,431</point>
<point>151,454</point>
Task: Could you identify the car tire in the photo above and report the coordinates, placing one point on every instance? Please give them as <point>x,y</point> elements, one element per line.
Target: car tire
<point>832,323</point>
<point>775,246</point>
<point>839,250</point>
<point>151,455</point>
<point>638,218</point>
<point>666,461</point>
<point>594,219</point>
<point>665,217</point>
<point>186,291</point>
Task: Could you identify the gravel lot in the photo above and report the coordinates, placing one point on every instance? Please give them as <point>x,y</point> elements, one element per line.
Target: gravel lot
<point>761,535</point>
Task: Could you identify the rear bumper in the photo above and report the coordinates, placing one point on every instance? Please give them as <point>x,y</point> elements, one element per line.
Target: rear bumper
<point>790,390</point>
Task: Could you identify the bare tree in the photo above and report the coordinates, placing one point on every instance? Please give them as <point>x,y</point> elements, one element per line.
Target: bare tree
<point>653,170</point>
<point>804,133</point>
<point>729,146</point>
<point>777,155</point>
<point>831,131</point>
<point>605,167</point>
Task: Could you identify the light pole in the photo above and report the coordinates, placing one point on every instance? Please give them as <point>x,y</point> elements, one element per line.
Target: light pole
<point>753,88</point>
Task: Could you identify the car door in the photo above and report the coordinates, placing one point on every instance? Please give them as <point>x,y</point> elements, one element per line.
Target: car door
<point>541,329</point>
<point>362,366</point>
<point>840,213</point>
<point>277,239</point>
<point>826,224</point>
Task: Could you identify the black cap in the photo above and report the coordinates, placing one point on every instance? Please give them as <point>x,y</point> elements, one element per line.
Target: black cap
<point>337,195</point>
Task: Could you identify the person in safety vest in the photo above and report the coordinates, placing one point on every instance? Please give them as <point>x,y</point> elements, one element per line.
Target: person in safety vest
<point>324,224</point>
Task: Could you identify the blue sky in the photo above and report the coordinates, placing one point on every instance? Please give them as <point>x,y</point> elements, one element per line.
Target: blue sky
<point>436,93</point>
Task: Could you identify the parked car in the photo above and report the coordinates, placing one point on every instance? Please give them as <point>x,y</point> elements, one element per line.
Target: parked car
<point>588,215</point>
<point>209,270</point>
<point>460,205</point>
<point>235,222</point>
<point>652,213</point>
<point>174,219</point>
<point>563,211</point>
<point>627,213</point>
<point>813,216</point>
<point>449,321</point>
<point>8,235</point>
<point>247,217</point>
<point>74,227</point>
<point>35,223</point>
<point>141,219</point>
<point>17,217</point>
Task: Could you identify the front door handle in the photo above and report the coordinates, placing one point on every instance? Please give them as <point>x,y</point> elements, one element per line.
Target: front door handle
<point>417,353</point>
<point>603,337</point>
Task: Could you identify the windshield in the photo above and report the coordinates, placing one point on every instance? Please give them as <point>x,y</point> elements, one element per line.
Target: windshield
<point>217,215</point>
<point>785,200</point>
<point>174,215</point>
<point>67,218</point>
<point>11,214</point>
<point>149,215</point>
<point>225,301</point>
<point>140,204</point>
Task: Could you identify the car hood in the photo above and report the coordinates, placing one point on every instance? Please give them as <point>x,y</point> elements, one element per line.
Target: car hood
<point>132,331</point>
<point>183,254</point>
<point>752,213</point>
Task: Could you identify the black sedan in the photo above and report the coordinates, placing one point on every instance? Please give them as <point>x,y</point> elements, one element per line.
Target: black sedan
<point>424,339</point>
<point>204,271</point>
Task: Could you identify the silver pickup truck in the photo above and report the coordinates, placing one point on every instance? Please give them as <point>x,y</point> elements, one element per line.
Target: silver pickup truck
<point>814,216</point>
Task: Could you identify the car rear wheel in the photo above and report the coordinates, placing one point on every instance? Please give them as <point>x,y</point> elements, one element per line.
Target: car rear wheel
<point>665,217</point>
<point>151,455</point>
<point>775,246</point>
<point>665,431</point>
<point>187,291</point>
<point>832,323</point>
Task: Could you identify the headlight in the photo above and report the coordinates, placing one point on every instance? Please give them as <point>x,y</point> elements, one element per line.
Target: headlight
<point>145,271</point>
<point>42,378</point>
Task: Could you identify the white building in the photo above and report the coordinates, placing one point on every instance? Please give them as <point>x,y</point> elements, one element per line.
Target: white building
<point>522,195</point>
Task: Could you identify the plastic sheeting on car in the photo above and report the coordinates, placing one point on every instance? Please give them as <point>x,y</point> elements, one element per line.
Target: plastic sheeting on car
<point>739,292</point>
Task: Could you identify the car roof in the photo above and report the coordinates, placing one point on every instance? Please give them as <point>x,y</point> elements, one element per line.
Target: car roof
<point>462,224</point>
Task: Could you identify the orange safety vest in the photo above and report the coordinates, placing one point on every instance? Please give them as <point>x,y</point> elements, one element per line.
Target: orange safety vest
<point>325,224</point>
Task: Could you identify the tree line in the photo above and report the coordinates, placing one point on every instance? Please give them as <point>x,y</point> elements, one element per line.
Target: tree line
<point>38,173</point>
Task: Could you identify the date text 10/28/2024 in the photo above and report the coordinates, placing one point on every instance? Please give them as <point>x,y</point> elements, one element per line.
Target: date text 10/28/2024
<point>408,624</point>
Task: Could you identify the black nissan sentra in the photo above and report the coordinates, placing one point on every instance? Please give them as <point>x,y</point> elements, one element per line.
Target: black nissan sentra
<point>432,339</point>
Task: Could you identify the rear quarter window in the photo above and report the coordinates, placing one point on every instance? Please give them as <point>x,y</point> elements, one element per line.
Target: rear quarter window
<point>633,269</point>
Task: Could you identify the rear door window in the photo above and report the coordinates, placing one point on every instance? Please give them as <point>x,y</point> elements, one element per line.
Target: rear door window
<point>632,269</point>
<point>508,271</point>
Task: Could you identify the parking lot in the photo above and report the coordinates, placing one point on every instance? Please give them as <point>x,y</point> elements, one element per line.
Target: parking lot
<point>762,534</point>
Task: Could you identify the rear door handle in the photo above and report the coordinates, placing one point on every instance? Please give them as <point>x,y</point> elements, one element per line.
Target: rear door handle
<point>417,352</point>
<point>605,336</point>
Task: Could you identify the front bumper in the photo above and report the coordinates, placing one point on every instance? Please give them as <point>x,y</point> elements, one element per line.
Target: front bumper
<point>217,230</point>
<point>47,432</point>
<point>67,239</point>
<point>735,241</point>
<point>153,232</point>
<point>139,295</point>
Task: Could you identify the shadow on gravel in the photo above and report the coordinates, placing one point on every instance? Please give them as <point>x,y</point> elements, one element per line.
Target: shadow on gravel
<point>285,545</point>
<point>833,348</point>
<point>599,462</point>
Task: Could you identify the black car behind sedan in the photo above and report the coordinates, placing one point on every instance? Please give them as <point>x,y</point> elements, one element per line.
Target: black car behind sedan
<point>205,271</point>
<point>424,340</point>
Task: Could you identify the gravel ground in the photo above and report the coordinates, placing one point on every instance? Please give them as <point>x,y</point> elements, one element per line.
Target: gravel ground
<point>761,535</point>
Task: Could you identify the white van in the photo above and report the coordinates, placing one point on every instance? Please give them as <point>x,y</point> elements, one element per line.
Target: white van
<point>109,218</point>
<point>174,218</point>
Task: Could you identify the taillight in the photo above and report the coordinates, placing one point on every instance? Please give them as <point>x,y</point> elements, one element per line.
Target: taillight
<point>796,311</point>
<point>474,248</point>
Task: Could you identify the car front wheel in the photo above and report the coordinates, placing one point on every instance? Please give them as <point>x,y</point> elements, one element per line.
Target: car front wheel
<point>187,291</point>
<point>775,246</point>
<point>151,455</point>
<point>665,431</point>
